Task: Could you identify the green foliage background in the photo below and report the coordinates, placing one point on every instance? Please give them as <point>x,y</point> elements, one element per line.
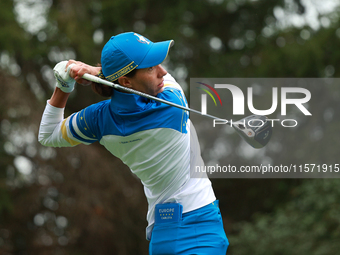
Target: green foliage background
<point>84,201</point>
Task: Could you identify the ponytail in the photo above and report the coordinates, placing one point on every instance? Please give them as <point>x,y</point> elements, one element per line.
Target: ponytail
<point>102,90</point>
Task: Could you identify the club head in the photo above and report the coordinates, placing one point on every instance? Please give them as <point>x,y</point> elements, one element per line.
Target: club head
<point>256,130</point>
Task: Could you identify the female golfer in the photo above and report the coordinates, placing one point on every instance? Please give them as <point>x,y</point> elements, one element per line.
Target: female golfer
<point>156,141</point>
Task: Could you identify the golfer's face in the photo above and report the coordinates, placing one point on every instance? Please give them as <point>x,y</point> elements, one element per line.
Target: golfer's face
<point>149,80</point>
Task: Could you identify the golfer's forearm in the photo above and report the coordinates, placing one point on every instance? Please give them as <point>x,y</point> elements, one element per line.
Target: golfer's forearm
<point>59,98</point>
<point>50,127</point>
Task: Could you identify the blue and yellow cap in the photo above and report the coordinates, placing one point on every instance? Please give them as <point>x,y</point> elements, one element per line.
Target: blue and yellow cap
<point>128,51</point>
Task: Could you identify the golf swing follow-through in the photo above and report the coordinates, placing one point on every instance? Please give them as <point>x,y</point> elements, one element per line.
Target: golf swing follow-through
<point>254,129</point>
<point>157,141</point>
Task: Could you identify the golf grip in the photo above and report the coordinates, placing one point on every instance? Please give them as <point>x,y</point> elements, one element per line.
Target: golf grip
<point>96,79</point>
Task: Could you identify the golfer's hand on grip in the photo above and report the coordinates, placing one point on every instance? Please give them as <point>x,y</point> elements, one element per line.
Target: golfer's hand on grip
<point>62,74</point>
<point>78,69</point>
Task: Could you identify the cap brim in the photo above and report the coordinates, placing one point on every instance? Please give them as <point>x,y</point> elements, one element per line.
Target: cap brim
<point>157,54</point>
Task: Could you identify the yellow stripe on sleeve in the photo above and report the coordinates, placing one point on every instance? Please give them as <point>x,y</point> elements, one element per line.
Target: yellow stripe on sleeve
<point>64,133</point>
<point>173,85</point>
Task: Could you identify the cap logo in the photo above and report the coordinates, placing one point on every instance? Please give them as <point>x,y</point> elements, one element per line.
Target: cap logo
<point>141,38</point>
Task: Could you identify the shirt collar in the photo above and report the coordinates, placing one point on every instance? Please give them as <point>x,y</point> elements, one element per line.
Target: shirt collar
<point>127,102</point>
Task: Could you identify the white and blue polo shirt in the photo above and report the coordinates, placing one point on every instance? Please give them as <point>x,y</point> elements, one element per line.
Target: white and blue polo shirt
<point>151,138</point>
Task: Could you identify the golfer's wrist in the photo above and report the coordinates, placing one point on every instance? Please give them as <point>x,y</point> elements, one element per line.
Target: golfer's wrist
<point>59,98</point>
<point>96,70</point>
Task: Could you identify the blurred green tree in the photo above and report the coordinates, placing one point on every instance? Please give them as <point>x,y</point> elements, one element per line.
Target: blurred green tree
<point>307,224</point>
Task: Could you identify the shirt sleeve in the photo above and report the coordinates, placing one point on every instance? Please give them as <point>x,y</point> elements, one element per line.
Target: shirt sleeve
<point>170,82</point>
<point>83,125</point>
<point>55,131</point>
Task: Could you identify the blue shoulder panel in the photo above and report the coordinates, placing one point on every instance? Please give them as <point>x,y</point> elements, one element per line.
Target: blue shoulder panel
<point>101,119</point>
<point>151,115</point>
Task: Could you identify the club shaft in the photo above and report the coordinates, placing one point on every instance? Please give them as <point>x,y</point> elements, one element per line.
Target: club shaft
<point>119,87</point>
<point>96,79</point>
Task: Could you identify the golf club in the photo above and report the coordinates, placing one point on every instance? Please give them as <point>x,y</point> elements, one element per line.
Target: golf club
<point>255,129</point>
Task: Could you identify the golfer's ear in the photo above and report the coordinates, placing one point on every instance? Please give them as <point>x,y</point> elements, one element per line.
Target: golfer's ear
<point>124,81</point>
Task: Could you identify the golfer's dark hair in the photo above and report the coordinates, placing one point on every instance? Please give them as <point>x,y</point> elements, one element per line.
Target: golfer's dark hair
<point>107,91</point>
